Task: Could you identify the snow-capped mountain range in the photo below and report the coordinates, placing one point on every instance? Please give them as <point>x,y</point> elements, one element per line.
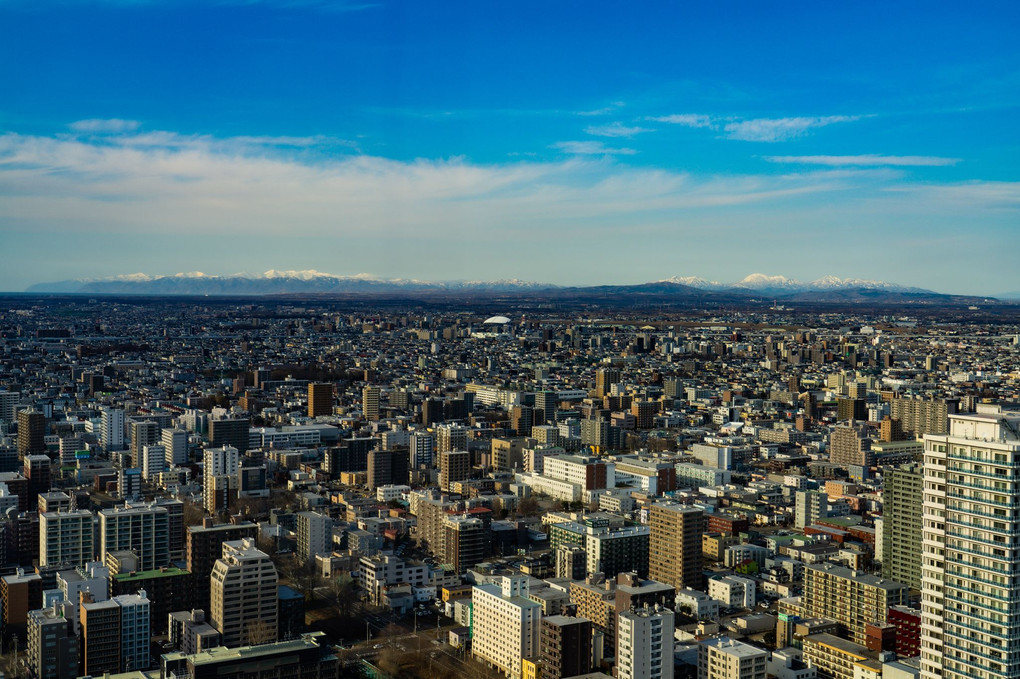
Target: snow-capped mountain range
<point>760,282</point>
<point>276,282</point>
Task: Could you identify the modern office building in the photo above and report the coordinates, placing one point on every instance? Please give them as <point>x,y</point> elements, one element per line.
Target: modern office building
<point>969,619</point>
<point>506,624</point>
<point>674,548</point>
<point>242,595</point>
<point>902,524</point>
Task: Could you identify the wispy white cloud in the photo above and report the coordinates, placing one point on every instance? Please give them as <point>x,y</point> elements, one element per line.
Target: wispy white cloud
<point>615,129</point>
<point>780,129</point>
<point>163,182</point>
<point>105,126</point>
<point>967,195</point>
<point>754,129</point>
<point>685,119</point>
<point>591,148</point>
<point>866,160</point>
<point>604,111</point>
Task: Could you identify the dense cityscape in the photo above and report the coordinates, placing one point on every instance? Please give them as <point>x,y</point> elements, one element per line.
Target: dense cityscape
<point>315,487</point>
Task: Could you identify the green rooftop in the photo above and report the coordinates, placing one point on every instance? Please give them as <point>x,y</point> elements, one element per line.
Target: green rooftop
<point>149,575</point>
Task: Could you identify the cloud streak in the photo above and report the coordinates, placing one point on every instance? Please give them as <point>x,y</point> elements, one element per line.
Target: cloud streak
<point>591,148</point>
<point>615,129</point>
<point>105,126</point>
<point>768,130</point>
<point>780,129</point>
<point>866,161</point>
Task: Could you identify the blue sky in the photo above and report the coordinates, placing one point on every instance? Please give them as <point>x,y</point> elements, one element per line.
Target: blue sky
<point>563,142</point>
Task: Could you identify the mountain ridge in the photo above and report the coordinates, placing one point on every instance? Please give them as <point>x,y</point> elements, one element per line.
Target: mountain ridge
<point>291,282</point>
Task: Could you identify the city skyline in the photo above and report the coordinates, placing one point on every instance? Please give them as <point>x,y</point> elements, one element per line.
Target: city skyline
<point>576,145</point>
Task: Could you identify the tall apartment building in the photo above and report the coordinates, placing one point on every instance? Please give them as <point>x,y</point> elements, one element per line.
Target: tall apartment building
<point>370,402</point>
<point>809,506</point>
<point>849,445</point>
<point>52,645</point>
<point>230,432</point>
<point>314,535</point>
<point>66,538</point>
<point>320,399</point>
<point>645,643</point>
<point>387,467</point>
<point>465,542</point>
<point>921,417</point>
<point>8,405</point>
<point>421,450</point>
<point>31,432</point>
<point>605,378</point>
<point>725,658</point>
<point>115,634</point>
<point>564,646</point>
<point>451,437</point>
<point>506,624</point>
<point>243,598</point>
<point>852,599</point>
<point>674,547</point>
<point>143,433</point>
<point>851,409</point>
<point>153,461</point>
<point>175,444</point>
<point>454,466</point>
<point>143,530</point>
<point>902,524</point>
<point>219,476</point>
<point>204,545</point>
<point>112,429</point>
<point>969,619</point>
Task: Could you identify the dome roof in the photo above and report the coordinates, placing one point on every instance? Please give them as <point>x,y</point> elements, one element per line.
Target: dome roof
<point>496,320</point>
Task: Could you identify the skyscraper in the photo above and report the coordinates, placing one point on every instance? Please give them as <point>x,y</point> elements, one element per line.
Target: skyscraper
<point>175,443</point>
<point>969,560</point>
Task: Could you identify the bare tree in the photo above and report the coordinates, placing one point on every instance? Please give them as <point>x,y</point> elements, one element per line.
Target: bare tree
<point>258,632</point>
